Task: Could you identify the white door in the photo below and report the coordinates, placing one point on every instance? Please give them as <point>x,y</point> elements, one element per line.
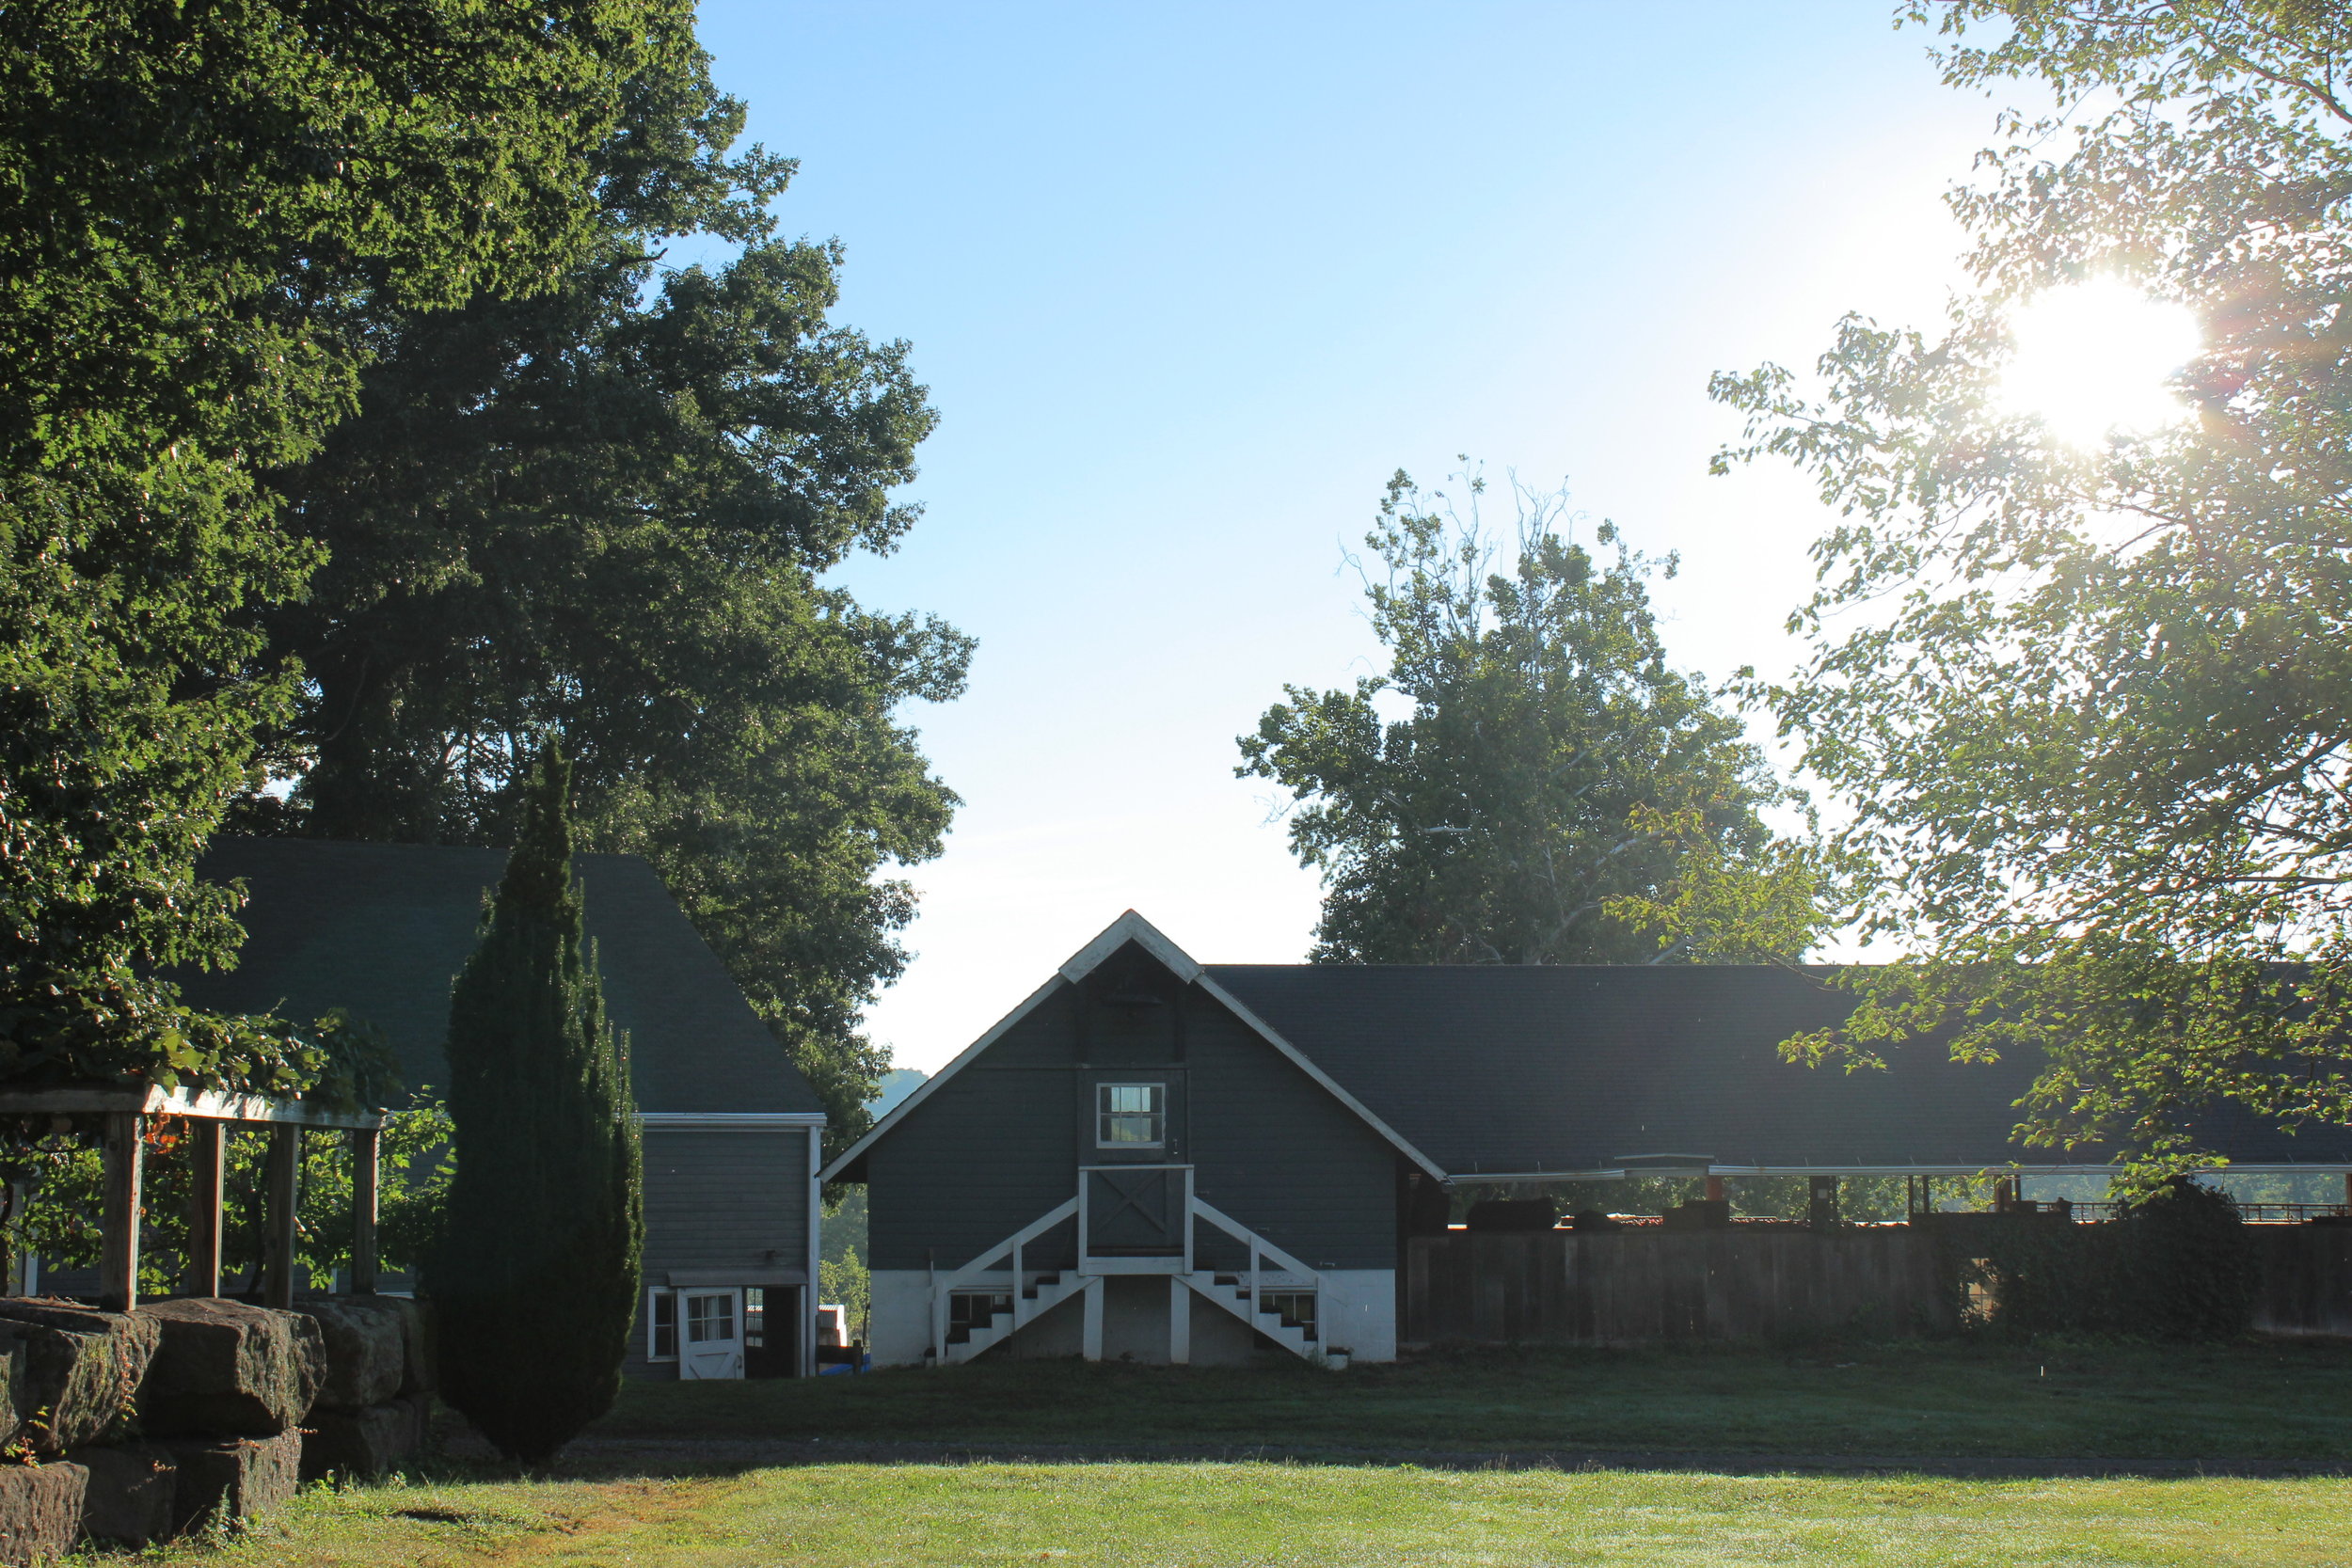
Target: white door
<point>714,1334</point>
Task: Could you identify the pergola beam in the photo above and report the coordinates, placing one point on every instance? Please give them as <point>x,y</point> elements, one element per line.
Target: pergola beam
<point>207,1104</point>
<point>124,1112</point>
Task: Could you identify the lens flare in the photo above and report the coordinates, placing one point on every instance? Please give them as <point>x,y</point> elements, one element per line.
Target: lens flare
<point>2095,359</point>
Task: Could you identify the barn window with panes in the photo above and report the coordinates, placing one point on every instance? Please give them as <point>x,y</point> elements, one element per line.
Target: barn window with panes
<point>709,1318</point>
<point>1130,1116</point>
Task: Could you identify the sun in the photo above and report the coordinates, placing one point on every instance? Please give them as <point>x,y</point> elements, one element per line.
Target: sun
<point>2096,360</point>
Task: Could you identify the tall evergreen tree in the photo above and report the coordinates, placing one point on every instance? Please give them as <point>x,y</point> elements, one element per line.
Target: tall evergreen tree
<point>198,205</point>
<point>608,512</point>
<point>535,1276</point>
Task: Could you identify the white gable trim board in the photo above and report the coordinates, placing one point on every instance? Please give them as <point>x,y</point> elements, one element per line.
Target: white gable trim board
<point>1128,927</point>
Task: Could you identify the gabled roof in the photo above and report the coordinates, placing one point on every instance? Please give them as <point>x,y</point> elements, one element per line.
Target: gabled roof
<point>1128,928</point>
<point>381,930</point>
<point>1507,1070</point>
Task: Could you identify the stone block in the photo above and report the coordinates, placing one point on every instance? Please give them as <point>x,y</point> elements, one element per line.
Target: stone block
<point>421,1373</point>
<point>225,1481</point>
<point>74,1372</point>
<point>368,1442</point>
<point>128,1501</point>
<point>366,1340</point>
<point>40,1511</point>
<point>227,1368</point>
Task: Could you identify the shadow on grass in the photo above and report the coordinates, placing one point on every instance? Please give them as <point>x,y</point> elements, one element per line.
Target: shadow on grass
<point>1990,1410</point>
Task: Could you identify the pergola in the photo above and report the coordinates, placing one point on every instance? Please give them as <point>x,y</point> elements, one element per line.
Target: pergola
<point>210,1114</point>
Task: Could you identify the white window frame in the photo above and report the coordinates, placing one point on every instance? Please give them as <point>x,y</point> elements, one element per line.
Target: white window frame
<point>733,1320</point>
<point>1103,1114</point>
<point>656,1299</point>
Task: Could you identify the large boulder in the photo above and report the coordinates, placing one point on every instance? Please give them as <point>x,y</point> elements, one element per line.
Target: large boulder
<point>366,1340</point>
<point>422,1374</point>
<point>228,1480</point>
<point>130,1496</point>
<point>40,1511</point>
<point>366,1443</point>
<point>228,1368</point>
<point>74,1372</point>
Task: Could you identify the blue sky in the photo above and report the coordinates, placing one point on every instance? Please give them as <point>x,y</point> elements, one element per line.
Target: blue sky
<point>1187,284</point>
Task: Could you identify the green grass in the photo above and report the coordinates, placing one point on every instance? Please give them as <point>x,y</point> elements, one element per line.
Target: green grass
<point>1081,1516</point>
<point>1908,1398</point>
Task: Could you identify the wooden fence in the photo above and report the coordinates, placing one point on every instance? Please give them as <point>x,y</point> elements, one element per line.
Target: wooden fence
<point>1638,1287</point>
<point>1651,1285</point>
<point>2307,1279</point>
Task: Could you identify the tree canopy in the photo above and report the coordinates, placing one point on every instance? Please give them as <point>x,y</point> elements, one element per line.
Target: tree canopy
<point>198,207</point>
<point>1553,791</point>
<point>2091,703</point>
<point>604,512</point>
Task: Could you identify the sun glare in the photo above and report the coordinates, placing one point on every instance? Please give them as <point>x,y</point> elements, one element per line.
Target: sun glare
<point>2093,359</point>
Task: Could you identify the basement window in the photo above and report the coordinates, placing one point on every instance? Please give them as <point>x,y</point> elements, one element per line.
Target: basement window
<point>1130,1116</point>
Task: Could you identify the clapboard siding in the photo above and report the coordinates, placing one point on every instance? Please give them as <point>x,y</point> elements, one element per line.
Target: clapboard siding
<point>998,1142</point>
<point>726,1198</point>
<point>991,1149</point>
<point>1278,1152</point>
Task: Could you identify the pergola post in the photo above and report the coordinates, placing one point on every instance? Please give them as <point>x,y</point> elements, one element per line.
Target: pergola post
<point>285,1150</point>
<point>205,1140</point>
<point>367,1144</point>
<point>118,1254</point>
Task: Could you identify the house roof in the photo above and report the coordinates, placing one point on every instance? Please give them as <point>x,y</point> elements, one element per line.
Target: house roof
<point>1523,1069</point>
<point>381,930</point>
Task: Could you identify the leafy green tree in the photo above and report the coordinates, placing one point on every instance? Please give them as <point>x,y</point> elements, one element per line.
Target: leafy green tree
<point>535,1274</point>
<point>1556,794</point>
<point>197,203</point>
<point>605,512</point>
<point>2093,706</point>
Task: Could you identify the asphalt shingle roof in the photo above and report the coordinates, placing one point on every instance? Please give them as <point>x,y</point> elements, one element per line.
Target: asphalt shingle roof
<point>381,930</point>
<point>1576,1068</point>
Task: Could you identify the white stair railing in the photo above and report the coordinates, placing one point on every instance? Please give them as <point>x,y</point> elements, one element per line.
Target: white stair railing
<point>944,1290</point>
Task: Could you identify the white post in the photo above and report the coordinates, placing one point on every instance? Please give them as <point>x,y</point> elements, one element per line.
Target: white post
<point>1020,1293</point>
<point>1091,1345</point>
<point>1178,1322</point>
<point>1257,1285</point>
<point>813,1253</point>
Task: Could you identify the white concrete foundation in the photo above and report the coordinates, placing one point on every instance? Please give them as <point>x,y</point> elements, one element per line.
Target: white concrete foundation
<point>1358,1310</point>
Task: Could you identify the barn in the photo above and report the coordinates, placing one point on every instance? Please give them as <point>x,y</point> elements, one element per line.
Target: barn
<point>1160,1160</point>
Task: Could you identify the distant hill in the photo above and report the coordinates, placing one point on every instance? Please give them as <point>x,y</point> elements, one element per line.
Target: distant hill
<point>897,1085</point>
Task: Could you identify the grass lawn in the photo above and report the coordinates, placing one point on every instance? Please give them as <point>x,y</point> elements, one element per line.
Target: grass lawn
<point>817,1516</point>
<point>1908,1398</point>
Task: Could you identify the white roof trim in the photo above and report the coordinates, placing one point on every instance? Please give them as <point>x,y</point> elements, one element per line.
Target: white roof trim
<point>731,1118</point>
<point>1267,1031</point>
<point>1128,927</point>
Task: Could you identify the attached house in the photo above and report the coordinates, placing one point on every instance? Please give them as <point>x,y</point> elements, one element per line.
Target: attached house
<point>1157,1159</point>
<point>731,1131</point>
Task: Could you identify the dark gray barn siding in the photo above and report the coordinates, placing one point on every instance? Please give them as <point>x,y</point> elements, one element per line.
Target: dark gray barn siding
<point>989,1150</point>
<point>1276,1151</point>
<point>999,1143</point>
